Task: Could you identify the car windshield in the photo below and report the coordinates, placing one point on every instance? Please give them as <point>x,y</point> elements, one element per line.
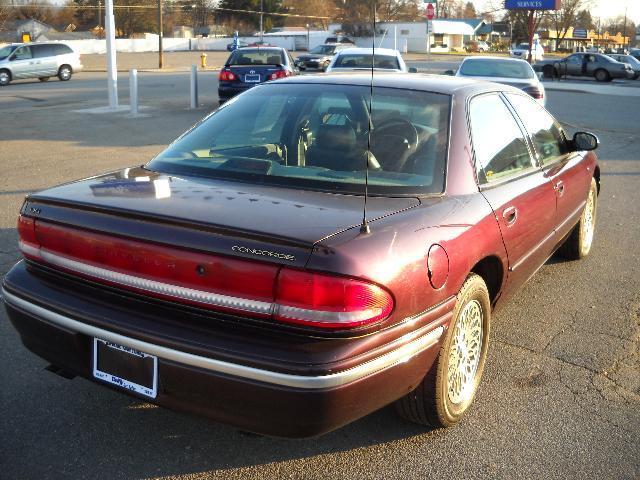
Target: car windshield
<point>496,68</point>
<point>261,56</point>
<point>6,51</point>
<point>315,136</point>
<point>364,61</point>
<point>523,46</point>
<point>323,49</point>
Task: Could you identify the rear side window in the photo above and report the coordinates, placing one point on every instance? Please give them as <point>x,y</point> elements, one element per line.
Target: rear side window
<point>500,147</point>
<point>40,51</point>
<point>545,132</point>
<point>61,49</point>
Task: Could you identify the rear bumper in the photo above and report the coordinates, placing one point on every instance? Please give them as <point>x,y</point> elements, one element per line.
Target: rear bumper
<point>266,399</point>
<point>226,92</point>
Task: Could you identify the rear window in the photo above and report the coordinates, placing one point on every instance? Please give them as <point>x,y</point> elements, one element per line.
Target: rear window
<point>315,136</point>
<point>364,61</point>
<point>256,57</point>
<point>496,68</point>
<point>323,49</point>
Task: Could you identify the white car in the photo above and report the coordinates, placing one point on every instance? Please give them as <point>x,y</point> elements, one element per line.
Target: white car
<point>354,59</point>
<point>38,60</point>
<point>522,51</point>
<point>509,71</point>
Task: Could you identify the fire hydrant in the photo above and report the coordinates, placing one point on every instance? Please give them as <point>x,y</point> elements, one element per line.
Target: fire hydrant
<point>203,60</point>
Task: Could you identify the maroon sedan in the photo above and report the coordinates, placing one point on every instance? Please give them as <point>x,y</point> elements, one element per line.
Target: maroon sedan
<point>239,275</point>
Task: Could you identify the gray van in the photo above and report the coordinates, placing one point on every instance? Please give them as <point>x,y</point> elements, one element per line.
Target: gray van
<point>37,60</point>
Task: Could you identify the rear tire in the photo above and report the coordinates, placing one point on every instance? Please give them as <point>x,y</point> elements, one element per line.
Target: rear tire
<point>43,79</point>
<point>448,389</point>
<point>5,77</point>
<point>602,75</point>
<point>64,73</point>
<point>578,244</point>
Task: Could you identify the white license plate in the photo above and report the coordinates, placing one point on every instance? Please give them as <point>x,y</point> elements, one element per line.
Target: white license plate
<point>125,367</point>
<point>252,78</point>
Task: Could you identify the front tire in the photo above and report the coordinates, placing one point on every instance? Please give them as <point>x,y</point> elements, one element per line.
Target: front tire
<point>448,389</point>
<point>578,244</point>
<point>64,73</point>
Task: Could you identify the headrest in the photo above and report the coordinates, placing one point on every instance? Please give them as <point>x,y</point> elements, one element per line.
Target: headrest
<point>274,60</point>
<point>336,137</point>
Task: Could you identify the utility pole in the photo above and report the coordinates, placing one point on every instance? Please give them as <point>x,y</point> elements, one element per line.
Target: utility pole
<point>100,15</point>
<point>112,75</point>
<point>624,29</point>
<point>160,52</point>
<point>261,11</point>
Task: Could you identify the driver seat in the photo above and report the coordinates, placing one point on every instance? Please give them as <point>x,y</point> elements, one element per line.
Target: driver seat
<point>335,147</point>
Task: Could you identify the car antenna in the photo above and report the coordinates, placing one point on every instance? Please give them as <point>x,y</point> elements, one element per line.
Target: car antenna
<point>364,228</point>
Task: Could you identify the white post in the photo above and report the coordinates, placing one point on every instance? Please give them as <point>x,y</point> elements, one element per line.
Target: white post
<point>395,38</point>
<point>428,41</point>
<point>133,91</point>
<point>112,71</point>
<point>194,86</point>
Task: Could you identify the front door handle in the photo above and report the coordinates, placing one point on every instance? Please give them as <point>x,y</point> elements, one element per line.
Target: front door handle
<point>510,215</point>
<point>559,187</point>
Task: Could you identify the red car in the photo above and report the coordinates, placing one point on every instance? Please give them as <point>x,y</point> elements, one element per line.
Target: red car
<point>285,270</point>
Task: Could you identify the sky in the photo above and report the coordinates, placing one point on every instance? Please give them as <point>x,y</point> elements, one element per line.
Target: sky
<point>601,8</point>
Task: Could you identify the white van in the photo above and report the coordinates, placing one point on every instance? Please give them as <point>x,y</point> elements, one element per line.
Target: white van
<point>37,60</point>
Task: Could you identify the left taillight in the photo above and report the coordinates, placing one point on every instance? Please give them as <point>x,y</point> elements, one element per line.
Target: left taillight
<point>226,76</point>
<point>29,245</point>
<point>328,301</point>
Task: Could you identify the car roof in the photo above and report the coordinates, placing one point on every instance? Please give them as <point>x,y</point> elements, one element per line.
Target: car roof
<point>361,50</point>
<point>408,81</point>
<point>259,49</point>
<point>485,58</point>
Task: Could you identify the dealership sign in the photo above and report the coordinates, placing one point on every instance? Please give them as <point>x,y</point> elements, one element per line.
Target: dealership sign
<point>532,4</point>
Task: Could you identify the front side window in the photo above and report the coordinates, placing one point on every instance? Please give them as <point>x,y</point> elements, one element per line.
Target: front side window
<point>22,53</point>
<point>316,136</point>
<point>545,132</point>
<point>500,147</point>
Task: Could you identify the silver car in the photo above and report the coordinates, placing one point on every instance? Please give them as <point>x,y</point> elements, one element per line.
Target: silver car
<point>38,60</point>
<point>509,71</point>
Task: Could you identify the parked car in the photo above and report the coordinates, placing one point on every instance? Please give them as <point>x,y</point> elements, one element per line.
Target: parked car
<point>319,57</point>
<point>476,46</point>
<point>353,59</point>
<point>233,275</point>
<point>522,51</point>
<point>38,60</point>
<point>339,39</point>
<point>602,67</point>
<point>635,53</point>
<point>631,60</point>
<point>510,71</point>
<point>247,67</point>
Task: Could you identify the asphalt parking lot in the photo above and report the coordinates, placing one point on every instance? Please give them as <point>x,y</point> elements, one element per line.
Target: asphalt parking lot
<point>561,393</point>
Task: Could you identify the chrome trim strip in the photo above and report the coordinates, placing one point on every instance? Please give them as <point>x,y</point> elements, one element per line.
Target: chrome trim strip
<point>200,296</point>
<point>394,357</point>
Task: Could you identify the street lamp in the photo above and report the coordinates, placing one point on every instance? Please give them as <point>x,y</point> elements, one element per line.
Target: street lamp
<point>160,52</point>
<point>308,45</point>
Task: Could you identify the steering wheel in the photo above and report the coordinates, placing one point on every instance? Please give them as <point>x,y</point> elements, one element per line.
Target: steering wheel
<point>398,127</point>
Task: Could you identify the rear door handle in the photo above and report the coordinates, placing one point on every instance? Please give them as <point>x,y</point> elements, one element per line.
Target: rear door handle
<point>510,215</point>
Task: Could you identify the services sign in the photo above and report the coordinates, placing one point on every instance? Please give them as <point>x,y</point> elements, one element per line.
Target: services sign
<point>532,4</point>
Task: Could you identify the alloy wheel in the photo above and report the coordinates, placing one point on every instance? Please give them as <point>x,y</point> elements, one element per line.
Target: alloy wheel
<point>464,354</point>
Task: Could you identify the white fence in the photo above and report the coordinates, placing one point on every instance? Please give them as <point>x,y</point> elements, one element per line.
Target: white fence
<point>150,43</point>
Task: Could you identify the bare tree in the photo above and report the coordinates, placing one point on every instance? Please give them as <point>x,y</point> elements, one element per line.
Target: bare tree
<point>5,12</point>
<point>566,17</point>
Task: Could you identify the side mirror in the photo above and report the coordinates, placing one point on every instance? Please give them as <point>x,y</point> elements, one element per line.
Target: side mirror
<point>451,73</point>
<point>585,141</point>
<point>413,70</point>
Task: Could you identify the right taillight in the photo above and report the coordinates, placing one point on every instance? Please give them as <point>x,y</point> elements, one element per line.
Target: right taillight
<point>328,301</point>
<point>535,92</point>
